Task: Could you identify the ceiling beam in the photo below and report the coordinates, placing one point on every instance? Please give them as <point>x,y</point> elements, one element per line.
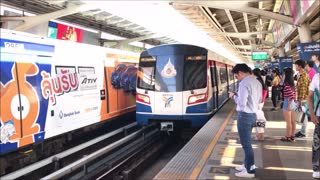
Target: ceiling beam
<point>120,43</point>
<point>246,21</point>
<point>233,24</point>
<point>31,21</point>
<point>239,6</point>
<point>237,21</point>
<point>244,35</point>
<point>214,21</point>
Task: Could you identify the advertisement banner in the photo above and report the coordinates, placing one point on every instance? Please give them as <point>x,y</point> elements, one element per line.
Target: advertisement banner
<point>298,8</point>
<point>306,50</point>
<point>285,62</point>
<point>280,30</point>
<point>64,32</point>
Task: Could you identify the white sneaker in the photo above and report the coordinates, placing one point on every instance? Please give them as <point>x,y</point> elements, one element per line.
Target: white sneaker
<point>244,174</point>
<point>242,167</point>
<point>316,174</point>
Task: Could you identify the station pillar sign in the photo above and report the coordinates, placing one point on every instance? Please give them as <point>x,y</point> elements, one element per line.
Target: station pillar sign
<point>285,62</point>
<point>306,50</point>
<point>274,65</point>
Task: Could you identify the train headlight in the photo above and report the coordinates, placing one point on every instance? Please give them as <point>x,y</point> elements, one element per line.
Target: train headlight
<point>143,98</point>
<point>197,98</point>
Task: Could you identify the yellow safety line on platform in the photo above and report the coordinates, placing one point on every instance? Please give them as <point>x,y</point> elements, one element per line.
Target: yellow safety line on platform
<point>196,171</point>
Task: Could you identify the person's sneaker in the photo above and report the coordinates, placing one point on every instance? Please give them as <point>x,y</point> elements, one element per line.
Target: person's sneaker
<point>299,135</point>
<point>241,167</point>
<point>316,174</point>
<point>244,174</point>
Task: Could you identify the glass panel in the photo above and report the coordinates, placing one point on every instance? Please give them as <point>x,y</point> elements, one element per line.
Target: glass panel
<point>145,76</point>
<point>231,77</point>
<point>213,76</point>
<point>223,75</point>
<point>195,75</point>
<point>169,73</point>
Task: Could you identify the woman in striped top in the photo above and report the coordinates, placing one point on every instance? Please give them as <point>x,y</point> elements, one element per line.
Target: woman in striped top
<point>289,97</point>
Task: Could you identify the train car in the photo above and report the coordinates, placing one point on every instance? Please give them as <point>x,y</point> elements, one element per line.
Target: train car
<point>180,85</point>
<point>51,87</point>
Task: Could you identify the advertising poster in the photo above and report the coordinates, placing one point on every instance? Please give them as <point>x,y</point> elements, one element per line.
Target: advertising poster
<point>64,32</point>
<point>306,50</point>
<point>298,8</point>
<point>285,62</point>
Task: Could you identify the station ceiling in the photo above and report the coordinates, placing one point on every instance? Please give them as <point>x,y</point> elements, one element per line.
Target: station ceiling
<point>239,26</point>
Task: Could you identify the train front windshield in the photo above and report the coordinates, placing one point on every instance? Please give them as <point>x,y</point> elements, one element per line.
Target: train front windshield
<point>172,73</point>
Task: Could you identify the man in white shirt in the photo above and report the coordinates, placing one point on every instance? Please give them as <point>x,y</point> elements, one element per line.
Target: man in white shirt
<point>247,99</point>
<point>315,118</point>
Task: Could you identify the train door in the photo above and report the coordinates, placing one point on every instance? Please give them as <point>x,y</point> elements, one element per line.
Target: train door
<point>214,85</point>
<point>223,85</point>
<point>231,79</point>
<point>22,118</point>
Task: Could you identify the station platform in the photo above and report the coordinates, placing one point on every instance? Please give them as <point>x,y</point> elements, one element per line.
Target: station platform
<point>215,151</point>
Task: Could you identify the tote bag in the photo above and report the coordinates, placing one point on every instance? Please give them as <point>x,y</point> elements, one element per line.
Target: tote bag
<point>264,94</point>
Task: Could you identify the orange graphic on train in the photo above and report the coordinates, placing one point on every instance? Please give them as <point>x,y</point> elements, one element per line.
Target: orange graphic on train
<point>17,114</point>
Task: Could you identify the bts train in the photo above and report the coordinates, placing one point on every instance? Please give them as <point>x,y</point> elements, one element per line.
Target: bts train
<point>51,87</point>
<point>181,85</point>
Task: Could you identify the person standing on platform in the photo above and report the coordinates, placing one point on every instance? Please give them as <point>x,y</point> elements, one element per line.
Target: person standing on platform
<point>275,89</point>
<point>314,109</point>
<point>288,114</point>
<point>247,99</point>
<point>316,60</point>
<point>261,119</point>
<point>302,93</point>
<point>310,70</point>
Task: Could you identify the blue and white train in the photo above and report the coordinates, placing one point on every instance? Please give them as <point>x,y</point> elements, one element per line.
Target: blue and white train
<point>181,85</point>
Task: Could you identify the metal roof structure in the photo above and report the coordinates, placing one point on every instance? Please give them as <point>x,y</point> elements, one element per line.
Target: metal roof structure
<point>240,26</point>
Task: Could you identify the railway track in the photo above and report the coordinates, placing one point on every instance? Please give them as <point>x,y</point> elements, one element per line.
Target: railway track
<point>88,155</point>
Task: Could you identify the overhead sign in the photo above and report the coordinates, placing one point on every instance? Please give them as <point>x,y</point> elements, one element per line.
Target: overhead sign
<point>306,50</point>
<point>261,55</point>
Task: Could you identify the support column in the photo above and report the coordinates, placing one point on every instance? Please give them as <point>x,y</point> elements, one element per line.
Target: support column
<point>305,33</point>
<point>281,52</point>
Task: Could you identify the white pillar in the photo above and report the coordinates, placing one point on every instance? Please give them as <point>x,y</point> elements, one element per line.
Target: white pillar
<point>281,52</point>
<point>305,33</point>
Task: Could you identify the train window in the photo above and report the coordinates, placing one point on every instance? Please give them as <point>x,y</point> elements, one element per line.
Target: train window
<point>195,75</point>
<point>223,75</point>
<point>169,73</point>
<point>145,76</point>
<point>231,77</point>
<point>213,76</point>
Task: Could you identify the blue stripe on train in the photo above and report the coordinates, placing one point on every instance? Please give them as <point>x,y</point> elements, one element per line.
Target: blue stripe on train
<point>196,120</point>
<point>143,108</point>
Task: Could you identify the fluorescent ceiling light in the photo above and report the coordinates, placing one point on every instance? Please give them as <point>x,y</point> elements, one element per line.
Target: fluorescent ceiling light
<point>161,18</point>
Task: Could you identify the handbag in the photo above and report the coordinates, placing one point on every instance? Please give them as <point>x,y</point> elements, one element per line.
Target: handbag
<point>264,94</point>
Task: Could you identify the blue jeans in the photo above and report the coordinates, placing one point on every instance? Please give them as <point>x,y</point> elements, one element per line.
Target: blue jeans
<point>245,123</point>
